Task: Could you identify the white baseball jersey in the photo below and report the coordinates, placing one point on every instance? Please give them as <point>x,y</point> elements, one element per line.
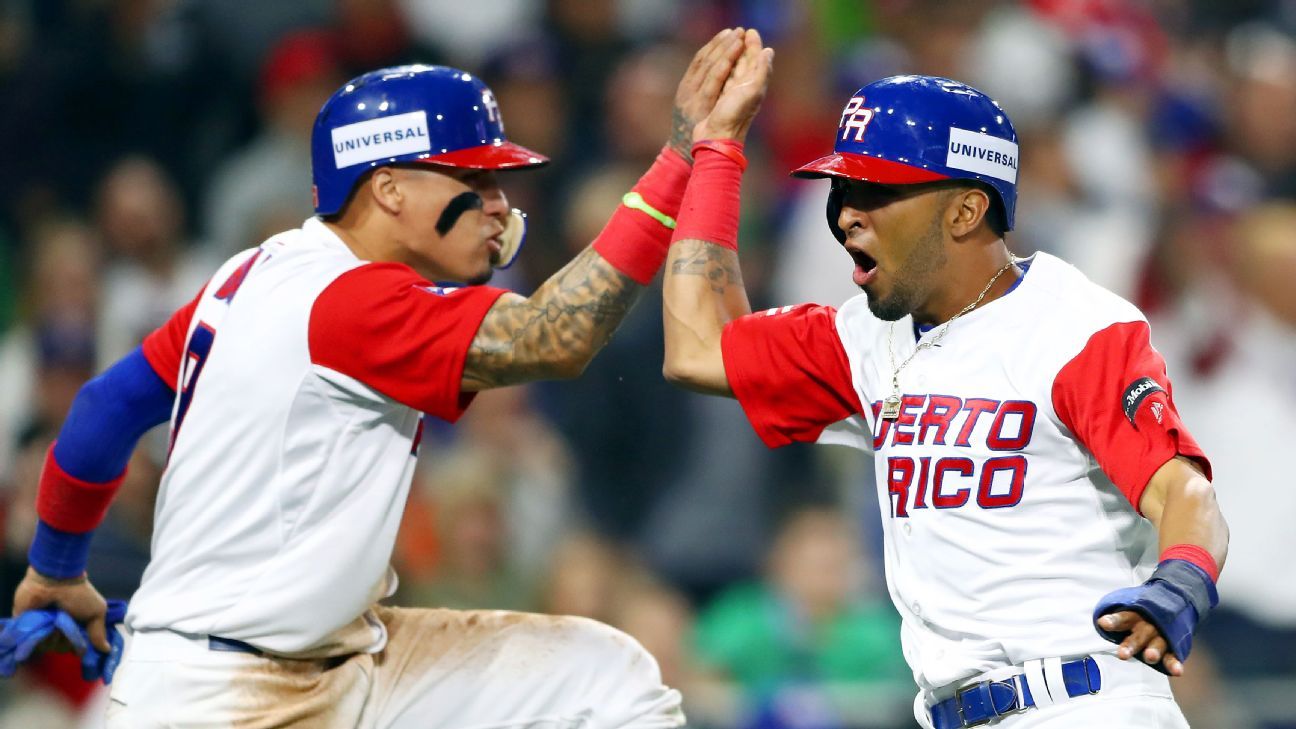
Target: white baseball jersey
<point>1010,481</point>
<point>301,374</point>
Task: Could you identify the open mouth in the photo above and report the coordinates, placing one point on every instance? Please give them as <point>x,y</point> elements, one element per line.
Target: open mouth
<point>865,267</point>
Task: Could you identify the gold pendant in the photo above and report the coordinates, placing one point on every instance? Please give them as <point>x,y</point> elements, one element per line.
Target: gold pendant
<point>891,408</point>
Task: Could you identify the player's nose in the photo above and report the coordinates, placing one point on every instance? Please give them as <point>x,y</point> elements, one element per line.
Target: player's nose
<point>494,202</point>
<point>850,217</point>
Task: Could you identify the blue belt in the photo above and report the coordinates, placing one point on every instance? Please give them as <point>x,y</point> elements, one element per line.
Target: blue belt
<point>229,645</point>
<point>986,701</point>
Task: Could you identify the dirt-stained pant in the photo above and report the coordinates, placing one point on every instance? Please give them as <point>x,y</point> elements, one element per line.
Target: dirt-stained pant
<point>441,668</point>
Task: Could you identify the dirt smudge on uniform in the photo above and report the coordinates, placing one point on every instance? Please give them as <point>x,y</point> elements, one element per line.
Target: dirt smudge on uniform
<point>279,693</point>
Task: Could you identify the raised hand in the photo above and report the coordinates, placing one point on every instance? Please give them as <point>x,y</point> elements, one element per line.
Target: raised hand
<point>742,94</point>
<point>701,86</point>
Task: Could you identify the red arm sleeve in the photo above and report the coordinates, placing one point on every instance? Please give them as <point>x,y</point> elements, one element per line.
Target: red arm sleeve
<point>788,369</point>
<point>1115,396</point>
<point>162,347</point>
<point>388,328</point>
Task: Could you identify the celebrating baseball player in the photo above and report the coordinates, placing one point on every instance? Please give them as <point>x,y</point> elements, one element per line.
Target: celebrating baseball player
<point>296,383</point>
<point>1031,467</point>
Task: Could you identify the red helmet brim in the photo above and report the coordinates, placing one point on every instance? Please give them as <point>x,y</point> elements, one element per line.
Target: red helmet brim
<point>501,156</point>
<point>867,169</point>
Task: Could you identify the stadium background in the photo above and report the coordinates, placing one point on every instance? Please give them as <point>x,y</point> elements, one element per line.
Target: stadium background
<point>143,141</point>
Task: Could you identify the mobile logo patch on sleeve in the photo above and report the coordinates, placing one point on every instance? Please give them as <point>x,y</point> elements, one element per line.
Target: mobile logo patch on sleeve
<point>1136,393</point>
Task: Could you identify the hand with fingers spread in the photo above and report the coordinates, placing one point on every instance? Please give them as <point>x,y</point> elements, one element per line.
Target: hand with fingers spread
<point>701,86</point>
<point>742,94</point>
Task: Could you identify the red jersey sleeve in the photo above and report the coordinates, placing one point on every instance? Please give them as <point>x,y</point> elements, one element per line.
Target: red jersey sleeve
<point>788,369</point>
<point>1115,396</point>
<point>163,346</point>
<point>390,329</point>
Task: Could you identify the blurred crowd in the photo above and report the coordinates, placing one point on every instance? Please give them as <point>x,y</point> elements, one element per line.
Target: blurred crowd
<point>144,141</point>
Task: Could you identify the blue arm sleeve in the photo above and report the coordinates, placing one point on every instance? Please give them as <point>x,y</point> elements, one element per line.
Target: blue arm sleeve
<point>108,417</point>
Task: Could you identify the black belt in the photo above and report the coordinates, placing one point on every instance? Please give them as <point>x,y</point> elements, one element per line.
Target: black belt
<point>986,701</point>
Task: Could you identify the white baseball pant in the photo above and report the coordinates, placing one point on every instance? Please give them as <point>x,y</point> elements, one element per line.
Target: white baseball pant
<point>441,668</point>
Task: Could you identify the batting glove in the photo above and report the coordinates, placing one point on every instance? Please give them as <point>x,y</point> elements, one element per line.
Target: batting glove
<point>1175,599</point>
<point>20,636</point>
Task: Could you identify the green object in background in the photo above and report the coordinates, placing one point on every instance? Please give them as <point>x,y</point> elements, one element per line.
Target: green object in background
<point>841,23</point>
<point>750,634</point>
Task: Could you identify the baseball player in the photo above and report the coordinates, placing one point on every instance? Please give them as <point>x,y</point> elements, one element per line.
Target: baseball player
<point>1030,463</point>
<point>296,383</point>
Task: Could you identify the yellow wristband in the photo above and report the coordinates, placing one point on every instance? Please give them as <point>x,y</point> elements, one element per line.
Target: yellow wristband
<point>635,201</point>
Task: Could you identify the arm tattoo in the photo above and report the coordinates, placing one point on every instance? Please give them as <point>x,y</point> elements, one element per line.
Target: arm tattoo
<point>554,332</point>
<point>681,138</point>
<point>717,264</point>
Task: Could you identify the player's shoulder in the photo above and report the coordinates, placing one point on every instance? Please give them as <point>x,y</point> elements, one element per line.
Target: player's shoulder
<point>1068,314</point>
<point>1069,300</point>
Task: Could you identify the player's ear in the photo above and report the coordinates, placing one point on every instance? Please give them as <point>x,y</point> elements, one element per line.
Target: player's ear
<point>967,209</point>
<point>384,188</point>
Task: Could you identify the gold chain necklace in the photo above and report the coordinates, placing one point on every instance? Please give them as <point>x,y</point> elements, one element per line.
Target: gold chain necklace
<point>891,405</point>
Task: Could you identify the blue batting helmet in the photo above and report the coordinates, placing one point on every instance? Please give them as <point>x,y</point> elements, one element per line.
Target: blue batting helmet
<point>909,129</point>
<point>429,114</point>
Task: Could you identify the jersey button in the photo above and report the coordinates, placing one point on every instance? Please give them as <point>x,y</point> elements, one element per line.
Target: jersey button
<point>917,609</point>
<point>908,529</point>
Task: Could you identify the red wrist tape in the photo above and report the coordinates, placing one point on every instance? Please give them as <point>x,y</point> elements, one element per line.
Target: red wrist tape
<point>69,504</point>
<point>1195,554</point>
<point>711,201</point>
<point>633,242</point>
<point>730,148</point>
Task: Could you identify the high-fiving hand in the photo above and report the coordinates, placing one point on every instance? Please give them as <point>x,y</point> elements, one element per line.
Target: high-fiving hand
<point>701,86</point>
<point>742,94</point>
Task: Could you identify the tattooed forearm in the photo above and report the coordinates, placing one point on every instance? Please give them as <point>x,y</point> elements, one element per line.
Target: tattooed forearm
<point>681,138</point>
<point>718,265</point>
<point>555,332</point>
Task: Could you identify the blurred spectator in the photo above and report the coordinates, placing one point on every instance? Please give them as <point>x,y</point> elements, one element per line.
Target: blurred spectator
<point>372,34</point>
<point>121,543</point>
<point>51,351</point>
<point>810,623</point>
<point>473,569</point>
<point>240,32</point>
<point>640,96</point>
<point>662,621</point>
<point>1233,333</point>
<point>151,270</point>
<point>589,45</point>
<point>471,32</point>
<point>1227,328</point>
<point>584,578</point>
<point>533,469</point>
<point>487,506</point>
<point>266,188</point>
<point>100,80</point>
<point>1261,103</point>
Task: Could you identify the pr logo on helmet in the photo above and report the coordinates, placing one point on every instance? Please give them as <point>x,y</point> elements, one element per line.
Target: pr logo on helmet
<point>855,116</point>
<point>492,106</point>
